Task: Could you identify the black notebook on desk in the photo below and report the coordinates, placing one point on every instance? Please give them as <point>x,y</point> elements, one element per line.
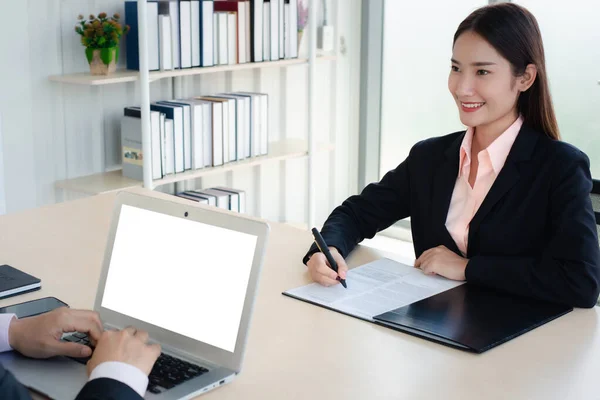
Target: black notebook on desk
<point>471,317</point>
<point>14,281</point>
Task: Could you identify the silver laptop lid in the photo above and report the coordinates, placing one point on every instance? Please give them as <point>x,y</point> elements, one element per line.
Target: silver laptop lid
<point>186,274</point>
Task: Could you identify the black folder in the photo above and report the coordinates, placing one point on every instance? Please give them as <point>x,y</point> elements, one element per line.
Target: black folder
<point>471,317</point>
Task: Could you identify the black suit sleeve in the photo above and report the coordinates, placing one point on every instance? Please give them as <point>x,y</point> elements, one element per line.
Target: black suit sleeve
<point>10,388</point>
<point>97,389</point>
<point>361,216</point>
<point>567,271</point>
<point>107,389</point>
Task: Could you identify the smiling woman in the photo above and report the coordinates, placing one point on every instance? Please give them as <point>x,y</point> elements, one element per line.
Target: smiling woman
<point>506,64</point>
<point>504,204</point>
<point>486,92</point>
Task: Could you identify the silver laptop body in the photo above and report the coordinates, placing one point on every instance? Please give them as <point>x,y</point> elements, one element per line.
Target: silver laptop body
<point>63,378</point>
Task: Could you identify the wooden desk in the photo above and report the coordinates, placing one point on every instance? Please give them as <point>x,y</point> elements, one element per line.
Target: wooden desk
<point>299,351</point>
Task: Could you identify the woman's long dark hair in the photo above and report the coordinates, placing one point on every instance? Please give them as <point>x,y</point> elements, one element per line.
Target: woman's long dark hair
<point>514,33</point>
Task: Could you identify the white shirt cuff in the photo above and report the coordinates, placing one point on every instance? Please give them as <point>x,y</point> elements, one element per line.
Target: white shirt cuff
<point>5,320</point>
<point>125,373</point>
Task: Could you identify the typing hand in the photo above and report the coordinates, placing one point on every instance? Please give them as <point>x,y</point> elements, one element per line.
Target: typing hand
<point>39,336</point>
<point>319,269</point>
<point>128,346</point>
<point>441,261</point>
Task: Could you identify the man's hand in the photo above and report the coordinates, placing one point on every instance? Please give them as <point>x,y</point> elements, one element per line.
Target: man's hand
<point>441,261</point>
<point>39,336</point>
<point>128,346</point>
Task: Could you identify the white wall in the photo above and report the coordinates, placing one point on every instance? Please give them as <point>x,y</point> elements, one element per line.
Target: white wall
<point>2,192</point>
<point>56,131</point>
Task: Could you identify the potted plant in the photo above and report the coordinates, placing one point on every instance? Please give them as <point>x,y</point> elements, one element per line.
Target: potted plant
<point>101,37</point>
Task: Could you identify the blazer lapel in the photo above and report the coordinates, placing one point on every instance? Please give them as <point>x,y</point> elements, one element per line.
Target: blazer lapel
<point>444,182</point>
<point>506,179</point>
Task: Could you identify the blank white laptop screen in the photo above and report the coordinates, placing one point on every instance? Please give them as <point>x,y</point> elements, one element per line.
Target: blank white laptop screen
<point>184,276</point>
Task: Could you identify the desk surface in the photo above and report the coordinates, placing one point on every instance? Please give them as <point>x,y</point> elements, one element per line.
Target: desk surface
<point>299,351</point>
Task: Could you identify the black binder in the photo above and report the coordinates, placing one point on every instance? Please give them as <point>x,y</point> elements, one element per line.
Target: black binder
<point>471,317</point>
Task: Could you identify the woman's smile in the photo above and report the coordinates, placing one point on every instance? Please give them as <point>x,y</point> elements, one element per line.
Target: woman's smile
<point>471,107</point>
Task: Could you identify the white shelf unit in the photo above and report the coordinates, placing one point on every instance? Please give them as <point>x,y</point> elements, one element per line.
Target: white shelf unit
<point>113,181</point>
<point>286,149</point>
<point>124,76</point>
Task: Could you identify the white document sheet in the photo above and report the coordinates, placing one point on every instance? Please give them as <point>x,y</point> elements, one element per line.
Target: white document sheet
<point>374,288</point>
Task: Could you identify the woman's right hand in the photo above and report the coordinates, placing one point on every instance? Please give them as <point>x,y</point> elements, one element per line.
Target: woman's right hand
<point>319,270</point>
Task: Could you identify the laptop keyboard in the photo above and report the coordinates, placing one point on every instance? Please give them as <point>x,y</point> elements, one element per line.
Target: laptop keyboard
<point>80,338</point>
<point>167,372</point>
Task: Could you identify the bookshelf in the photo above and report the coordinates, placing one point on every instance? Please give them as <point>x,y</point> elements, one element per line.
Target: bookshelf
<point>124,76</point>
<point>285,149</point>
<point>113,181</point>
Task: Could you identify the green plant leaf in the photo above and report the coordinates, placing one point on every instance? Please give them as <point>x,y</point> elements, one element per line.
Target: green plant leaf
<point>107,55</point>
<point>89,53</point>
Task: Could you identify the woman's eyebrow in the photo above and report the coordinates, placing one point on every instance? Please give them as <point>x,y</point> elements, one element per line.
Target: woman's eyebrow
<point>475,64</point>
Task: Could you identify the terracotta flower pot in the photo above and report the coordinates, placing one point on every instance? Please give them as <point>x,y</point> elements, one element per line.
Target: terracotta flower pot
<point>102,61</point>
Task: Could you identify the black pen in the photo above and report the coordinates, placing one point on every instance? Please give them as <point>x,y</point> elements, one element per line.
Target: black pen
<point>320,242</point>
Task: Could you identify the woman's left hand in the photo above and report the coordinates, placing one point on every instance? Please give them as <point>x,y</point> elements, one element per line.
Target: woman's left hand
<point>441,261</point>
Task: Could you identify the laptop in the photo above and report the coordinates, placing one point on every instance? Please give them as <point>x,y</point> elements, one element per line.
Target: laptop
<point>185,274</point>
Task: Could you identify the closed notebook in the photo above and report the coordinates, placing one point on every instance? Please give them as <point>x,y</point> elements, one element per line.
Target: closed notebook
<point>14,281</point>
<point>471,317</point>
